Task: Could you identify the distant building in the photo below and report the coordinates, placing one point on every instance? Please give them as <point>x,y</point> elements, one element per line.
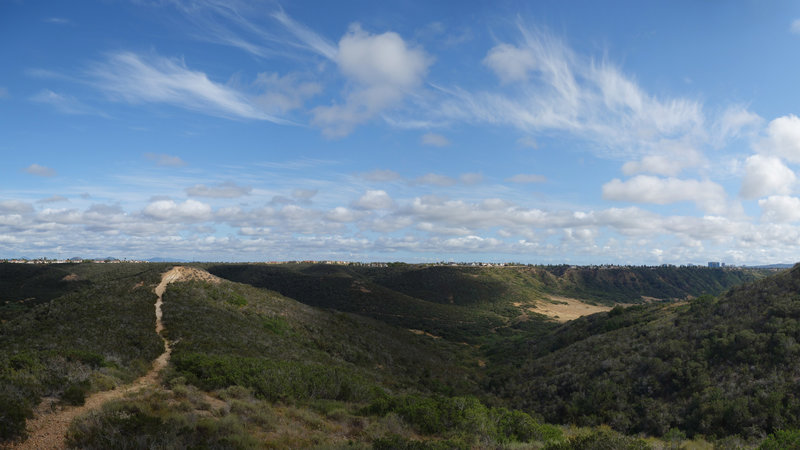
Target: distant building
<point>715,264</point>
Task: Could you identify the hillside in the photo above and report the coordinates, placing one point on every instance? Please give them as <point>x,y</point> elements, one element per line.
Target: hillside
<point>405,356</point>
<point>474,304</point>
<point>715,366</point>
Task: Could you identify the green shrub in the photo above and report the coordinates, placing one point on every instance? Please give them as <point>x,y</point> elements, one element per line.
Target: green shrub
<point>75,393</point>
<point>782,440</point>
<point>150,423</point>
<point>395,442</point>
<point>13,412</point>
<point>272,380</point>
<point>602,439</point>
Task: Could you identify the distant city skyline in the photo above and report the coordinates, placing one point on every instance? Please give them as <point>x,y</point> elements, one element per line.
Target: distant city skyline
<point>542,132</point>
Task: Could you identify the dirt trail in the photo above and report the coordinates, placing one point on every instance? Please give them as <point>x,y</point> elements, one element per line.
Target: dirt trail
<point>49,426</point>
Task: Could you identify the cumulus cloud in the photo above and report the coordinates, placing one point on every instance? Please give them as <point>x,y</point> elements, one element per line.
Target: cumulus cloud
<point>15,207</point>
<point>510,63</point>
<point>162,159</point>
<point>783,138</point>
<point>39,171</point>
<point>527,178</point>
<point>780,208</point>
<point>167,210</point>
<point>227,189</point>
<point>434,140</point>
<point>374,199</point>
<point>672,158</point>
<point>381,68</point>
<point>766,175</point>
<point>707,195</point>
<point>153,79</point>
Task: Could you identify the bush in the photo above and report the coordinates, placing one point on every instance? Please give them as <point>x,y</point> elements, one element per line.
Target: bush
<point>272,380</point>
<point>782,440</point>
<point>149,423</point>
<point>464,416</point>
<point>75,393</point>
<point>13,412</point>
<point>603,439</point>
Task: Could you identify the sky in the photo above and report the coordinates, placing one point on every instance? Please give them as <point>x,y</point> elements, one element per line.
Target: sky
<point>547,132</point>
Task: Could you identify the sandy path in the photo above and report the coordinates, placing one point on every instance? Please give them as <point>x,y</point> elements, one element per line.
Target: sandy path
<point>48,429</point>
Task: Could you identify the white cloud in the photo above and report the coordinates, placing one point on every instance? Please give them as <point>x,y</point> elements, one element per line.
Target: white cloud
<point>304,194</point>
<point>783,138</point>
<point>40,171</point>
<point>306,36</point>
<point>527,142</point>
<point>735,122</point>
<point>527,178</point>
<point>284,93</point>
<point>162,159</point>
<point>795,26</point>
<point>382,69</point>
<point>510,63</point>
<point>435,140</point>
<point>15,206</point>
<point>556,89</point>
<point>381,175</point>
<point>58,20</point>
<point>766,175</point>
<point>53,199</point>
<point>374,199</point>
<point>435,179</point>
<point>780,208</point>
<point>3,92</point>
<point>707,195</point>
<point>342,214</point>
<point>64,103</point>
<point>471,178</point>
<point>137,79</point>
<point>168,210</point>
<point>671,158</point>
<point>227,189</point>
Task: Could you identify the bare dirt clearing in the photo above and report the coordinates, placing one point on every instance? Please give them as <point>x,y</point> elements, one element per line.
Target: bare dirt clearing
<point>49,426</point>
<point>566,309</point>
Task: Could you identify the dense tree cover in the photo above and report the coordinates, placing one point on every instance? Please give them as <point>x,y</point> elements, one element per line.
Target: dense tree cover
<point>716,366</point>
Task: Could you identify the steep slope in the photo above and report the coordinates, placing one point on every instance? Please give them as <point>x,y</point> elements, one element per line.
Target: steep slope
<point>231,320</point>
<point>344,289</point>
<point>715,366</point>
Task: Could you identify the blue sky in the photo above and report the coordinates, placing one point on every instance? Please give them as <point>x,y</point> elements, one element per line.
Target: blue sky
<point>540,132</point>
